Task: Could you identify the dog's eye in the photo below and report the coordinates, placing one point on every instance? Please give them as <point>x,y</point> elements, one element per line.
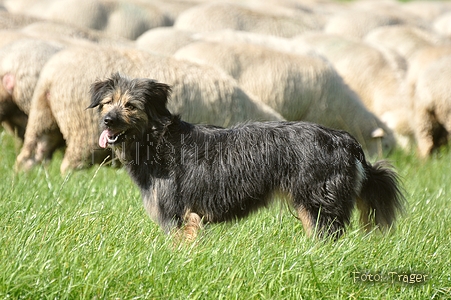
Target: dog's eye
<point>130,106</point>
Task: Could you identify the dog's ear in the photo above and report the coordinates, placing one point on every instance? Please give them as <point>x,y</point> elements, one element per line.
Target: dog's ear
<point>100,88</point>
<point>156,96</point>
<point>97,91</point>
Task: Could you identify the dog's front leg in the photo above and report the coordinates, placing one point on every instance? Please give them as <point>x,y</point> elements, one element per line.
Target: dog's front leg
<point>192,223</point>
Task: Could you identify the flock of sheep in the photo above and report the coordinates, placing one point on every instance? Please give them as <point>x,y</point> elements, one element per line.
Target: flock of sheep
<point>378,69</point>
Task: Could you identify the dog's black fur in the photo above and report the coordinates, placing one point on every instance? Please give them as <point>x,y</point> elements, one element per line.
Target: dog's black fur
<point>222,174</point>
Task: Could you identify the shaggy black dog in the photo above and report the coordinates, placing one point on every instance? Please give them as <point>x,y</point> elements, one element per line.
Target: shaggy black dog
<point>193,173</point>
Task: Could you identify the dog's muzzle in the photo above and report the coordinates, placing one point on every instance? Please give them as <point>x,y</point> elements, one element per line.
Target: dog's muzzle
<point>109,137</point>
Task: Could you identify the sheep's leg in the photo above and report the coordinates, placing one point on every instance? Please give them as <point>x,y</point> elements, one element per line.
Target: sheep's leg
<point>42,135</point>
<point>424,130</point>
<point>76,156</point>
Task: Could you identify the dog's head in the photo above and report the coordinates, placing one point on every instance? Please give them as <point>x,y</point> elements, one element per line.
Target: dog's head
<point>129,106</point>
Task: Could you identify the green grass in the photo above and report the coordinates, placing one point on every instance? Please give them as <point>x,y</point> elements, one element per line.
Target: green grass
<point>87,236</point>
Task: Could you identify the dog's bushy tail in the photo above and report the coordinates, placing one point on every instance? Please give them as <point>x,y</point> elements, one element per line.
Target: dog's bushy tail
<point>381,197</point>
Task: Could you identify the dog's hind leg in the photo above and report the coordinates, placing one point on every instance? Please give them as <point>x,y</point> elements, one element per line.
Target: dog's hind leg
<point>318,223</point>
<point>365,212</point>
<point>307,221</point>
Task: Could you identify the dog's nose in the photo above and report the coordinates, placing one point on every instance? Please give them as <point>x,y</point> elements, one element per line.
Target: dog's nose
<point>108,120</point>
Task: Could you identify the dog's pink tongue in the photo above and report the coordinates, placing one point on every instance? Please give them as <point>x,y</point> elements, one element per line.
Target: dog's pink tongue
<point>103,140</point>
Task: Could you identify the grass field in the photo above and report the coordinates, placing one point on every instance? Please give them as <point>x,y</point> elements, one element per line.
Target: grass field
<point>87,236</point>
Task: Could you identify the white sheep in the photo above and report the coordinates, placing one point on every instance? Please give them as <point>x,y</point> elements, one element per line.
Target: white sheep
<point>433,106</point>
<point>70,34</point>
<point>14,21</point>
<point>357,23</point>
<point>229,35</point>
<point>376,76</point>
<point>20,65</point>
<point>299,87</point>
<point>425,10</point>
<point>127,19</point>
<point>130,19</point>
<point>442,24</point>
<point>421,60</point>
<point>58,112</point>
<point>8,36</point>
<point>404,39</point>
<point>222,15</point>
<point>164,40</point>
